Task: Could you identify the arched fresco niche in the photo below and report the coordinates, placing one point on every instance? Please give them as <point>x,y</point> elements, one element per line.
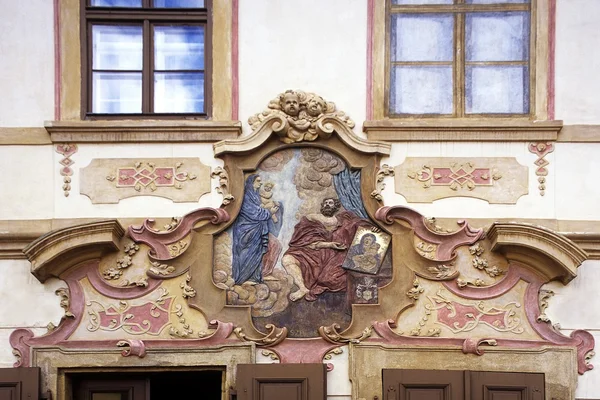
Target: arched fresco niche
<point>302,249</point>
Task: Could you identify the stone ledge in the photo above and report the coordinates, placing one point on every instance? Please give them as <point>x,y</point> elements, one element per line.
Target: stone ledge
<point>15,235</point>
<point>461,130</point>
<point>141,131</point>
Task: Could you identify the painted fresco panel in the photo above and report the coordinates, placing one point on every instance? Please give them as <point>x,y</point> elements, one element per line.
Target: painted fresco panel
<point>302,249</point>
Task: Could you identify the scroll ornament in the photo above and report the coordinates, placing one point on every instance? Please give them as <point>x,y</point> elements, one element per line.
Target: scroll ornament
<point>304,116</point>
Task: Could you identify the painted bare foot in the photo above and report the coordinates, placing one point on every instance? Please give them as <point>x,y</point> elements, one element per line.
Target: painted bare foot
<point>298,294</point>
<point>269,278</point>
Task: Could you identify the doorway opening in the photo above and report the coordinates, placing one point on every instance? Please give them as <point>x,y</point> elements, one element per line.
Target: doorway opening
<point>148,385</point>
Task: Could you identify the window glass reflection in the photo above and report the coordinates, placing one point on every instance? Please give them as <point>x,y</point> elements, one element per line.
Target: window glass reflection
<point>117,47</point>
<point>117,93</point>
<point>178,92</point>
<point>179,3</point>
<point>179,48</point>
<point>116,3</point>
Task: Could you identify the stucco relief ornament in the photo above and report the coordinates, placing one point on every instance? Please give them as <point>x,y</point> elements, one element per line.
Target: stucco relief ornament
<point>303,116</point>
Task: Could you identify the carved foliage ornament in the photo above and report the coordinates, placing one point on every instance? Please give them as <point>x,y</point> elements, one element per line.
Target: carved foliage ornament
<point>303,114</point>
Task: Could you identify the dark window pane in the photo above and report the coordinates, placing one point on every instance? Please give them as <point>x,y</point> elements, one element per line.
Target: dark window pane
<point>422,37</point>
<point>117,92</point>
<point>178,92</point>
<point>497,89</point>
<point>116,3</point>
<point>497,36</point>
<point>179,3</point>
<point>178,47</point>
<point>117,47</point>
<point>421,90</point>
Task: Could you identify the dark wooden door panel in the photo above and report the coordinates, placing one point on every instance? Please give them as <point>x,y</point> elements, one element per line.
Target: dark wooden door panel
<point>281,382</point>
<point>108,389</point>
<point>506,386</point>
<point>19,383</point>
<point>423,385</point>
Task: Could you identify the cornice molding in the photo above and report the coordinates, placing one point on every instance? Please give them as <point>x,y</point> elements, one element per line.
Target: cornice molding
<point>142,131</point>
<point>30,136</point>
<point>552,255</point>
<point>461,130</point>
<point>15,235</point>
<point>276,123</point>
<point>57,251</point>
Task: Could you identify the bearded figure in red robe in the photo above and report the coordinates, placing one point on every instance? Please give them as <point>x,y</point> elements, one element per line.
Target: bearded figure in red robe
<point>318,248</point>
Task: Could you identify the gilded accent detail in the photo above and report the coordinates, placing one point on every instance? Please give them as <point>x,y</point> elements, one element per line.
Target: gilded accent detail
<point>415,291</point>
<point>123,263</point>
<point>384,171</point>
<point>65,302</point>
<point>188,291</point>
<point>149,318</point>
<point>460,317</point>
<point>443,271</point>
<point>223,187</point>
<point>271,354</point>
<point>482,263</point>
<point>456,176</point>
<point>334,352</point>
<point>544,296</point>
<point>332,334</point>
<point>148,176</point>
<point>273,337</point>
<point>161,269</point>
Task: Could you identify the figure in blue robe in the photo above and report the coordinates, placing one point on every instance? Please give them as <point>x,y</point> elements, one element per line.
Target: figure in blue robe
<point>250,235</point>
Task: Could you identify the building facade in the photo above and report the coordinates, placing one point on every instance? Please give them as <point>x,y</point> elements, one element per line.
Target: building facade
<point>316,198</point>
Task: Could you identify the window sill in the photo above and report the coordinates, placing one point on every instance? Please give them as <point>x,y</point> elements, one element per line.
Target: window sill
<point>142,131</point>
<point>462,130</point>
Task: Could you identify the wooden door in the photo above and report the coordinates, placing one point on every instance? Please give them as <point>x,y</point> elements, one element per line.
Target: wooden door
<point>112,389</point>
<point>19,383</point>
<point>419,384</point>
<point>506,386</point>
<point>281,382</point>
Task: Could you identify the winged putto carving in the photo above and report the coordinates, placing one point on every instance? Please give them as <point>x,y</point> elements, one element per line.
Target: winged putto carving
<point>303,115</point>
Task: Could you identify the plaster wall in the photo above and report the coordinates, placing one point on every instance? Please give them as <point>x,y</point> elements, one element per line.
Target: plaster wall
<point>26,62</point>
<point>529,206</point>
<point>313,45</point>
<point>79,206</point>
<point>576,306</point>
<point>29,178</point>
<point>577,64</point>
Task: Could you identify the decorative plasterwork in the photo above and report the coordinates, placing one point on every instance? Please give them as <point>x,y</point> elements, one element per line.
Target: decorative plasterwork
<point>66,150</point>
<point>109,180</point>
<point>552,255</point>
<point>455,130</point>
<point>57,251</point>
<point>223,187</point>
<point>384,171</point>
<point>141,131</point>
<point>500,180</point>
<point>541,149</point>
<point>321,126</point>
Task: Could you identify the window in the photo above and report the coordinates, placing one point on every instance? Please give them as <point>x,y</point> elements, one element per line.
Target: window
<point>146,57</point>
<point>460,58</point>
